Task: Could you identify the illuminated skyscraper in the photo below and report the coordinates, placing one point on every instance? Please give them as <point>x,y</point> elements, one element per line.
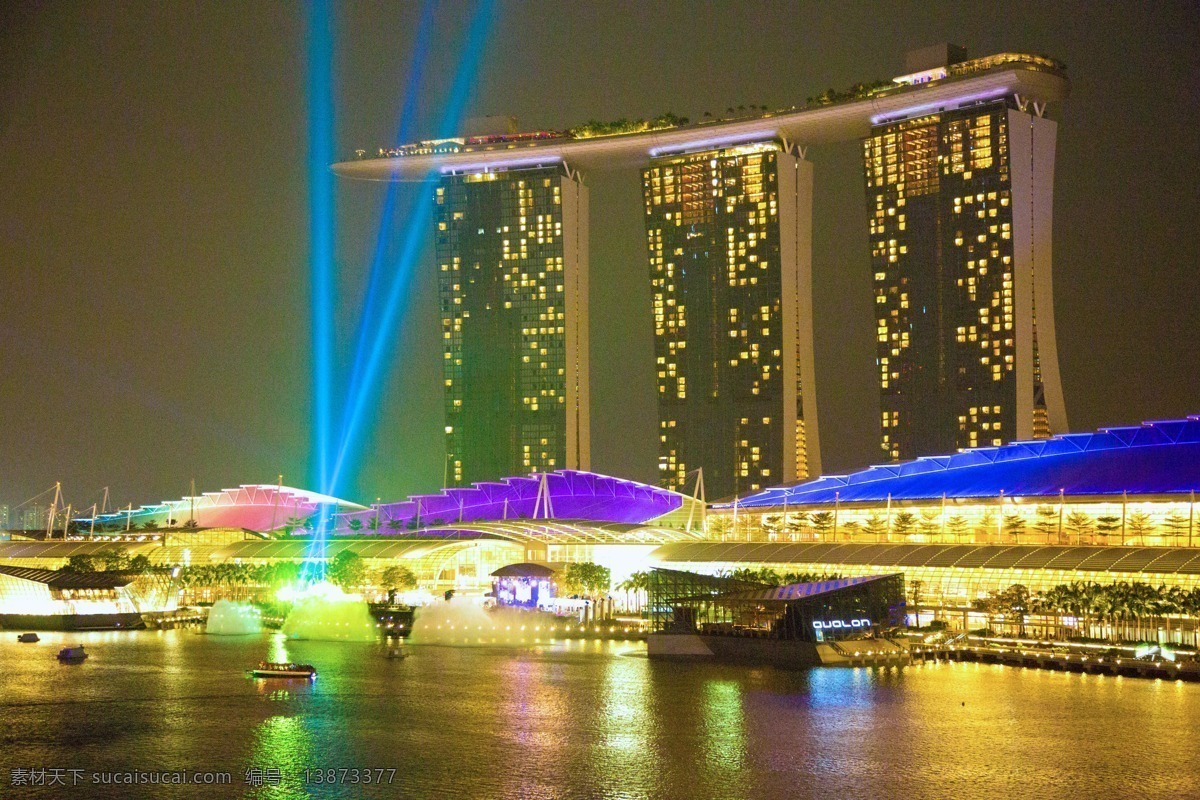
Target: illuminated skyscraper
<point>729,233</point>
<point>959,214</point>
<point>511,249</point>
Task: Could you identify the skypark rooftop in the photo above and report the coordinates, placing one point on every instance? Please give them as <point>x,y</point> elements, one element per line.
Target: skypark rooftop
<point>1034,78</point>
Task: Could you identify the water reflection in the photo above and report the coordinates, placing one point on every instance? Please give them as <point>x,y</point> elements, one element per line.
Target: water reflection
<point>626,722</point>
<point>588,719</point>
<point>282,751</point>
<point>724,743</point>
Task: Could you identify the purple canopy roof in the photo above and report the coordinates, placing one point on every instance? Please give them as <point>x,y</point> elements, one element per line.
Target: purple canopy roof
<point>573,495</point>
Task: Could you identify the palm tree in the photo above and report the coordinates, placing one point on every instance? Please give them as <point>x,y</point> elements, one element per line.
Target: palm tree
<point>904,523</point>
<point>821,521</point>
<point>1139,523</point>
<point>1106,526</point>
<point>1045,520</point>
<point>1079,523</point>
<point>636,584</point>
<point>931,521</point>
<point>876,525</point>
<point>1014,526</point>
<point>1175,524</point>
<point>988,607</point>
<point>957,526</point>
<point>1014,602</point>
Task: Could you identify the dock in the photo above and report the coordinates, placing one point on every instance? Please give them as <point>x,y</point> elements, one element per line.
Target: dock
<point>1052,659</point>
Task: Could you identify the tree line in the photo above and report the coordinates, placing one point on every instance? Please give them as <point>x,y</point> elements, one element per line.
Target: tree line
<point>1125,609</point>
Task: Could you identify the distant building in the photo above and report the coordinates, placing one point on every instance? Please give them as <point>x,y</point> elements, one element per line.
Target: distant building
<point>729,235</point>
<point>4,517</point>
<point>512,257</point>
<point>31,518</point>
<point>959,216</point>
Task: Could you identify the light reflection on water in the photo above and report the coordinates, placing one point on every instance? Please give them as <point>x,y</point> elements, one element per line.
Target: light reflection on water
<point>584,719</point>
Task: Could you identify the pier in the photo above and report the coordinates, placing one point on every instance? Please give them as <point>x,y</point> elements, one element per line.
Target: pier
<point>1056,659</point>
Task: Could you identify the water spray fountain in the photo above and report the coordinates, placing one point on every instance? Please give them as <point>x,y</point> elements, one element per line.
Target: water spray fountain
<point>229,618</point>
<point>464,622</point>
<point>323,612</point>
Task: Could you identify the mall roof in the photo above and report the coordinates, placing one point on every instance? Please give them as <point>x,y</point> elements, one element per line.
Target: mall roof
<point>1171,560</point>
<point>528,569</point>
<point>799,591</point>
<point>1154,458</point>
<point>1011,74</point>
<point>60,549</point>
<point>57,579</point>
<point>301,549</point>
<point>257,507</point>
<point>573,495</point>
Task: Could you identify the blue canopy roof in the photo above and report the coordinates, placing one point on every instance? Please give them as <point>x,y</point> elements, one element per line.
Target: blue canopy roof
<point>1152,458</point>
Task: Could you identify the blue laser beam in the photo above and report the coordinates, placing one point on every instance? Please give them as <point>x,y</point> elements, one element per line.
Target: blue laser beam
<point>378,272</point>
<point>321,228</point>
<point>383,327</point>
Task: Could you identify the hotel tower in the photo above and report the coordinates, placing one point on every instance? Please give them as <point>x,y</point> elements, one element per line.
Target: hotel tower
<point>959,172</point>
<point>959,217</point>
<point>729,236</point>
<point>511,252</point>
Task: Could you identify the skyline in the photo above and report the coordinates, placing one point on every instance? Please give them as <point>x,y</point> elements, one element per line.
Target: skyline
<point>153,405</point>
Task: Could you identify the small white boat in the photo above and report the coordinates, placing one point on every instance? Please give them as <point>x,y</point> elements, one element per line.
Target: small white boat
<point>395,652</point>
<point>273,669</point>
<point>72,654</point>
<point>28,637</point>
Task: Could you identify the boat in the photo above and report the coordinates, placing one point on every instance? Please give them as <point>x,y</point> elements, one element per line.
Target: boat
<point>395,652</point>
<point>28,637</point>
<point>273,669</point>
<point>72,654</point>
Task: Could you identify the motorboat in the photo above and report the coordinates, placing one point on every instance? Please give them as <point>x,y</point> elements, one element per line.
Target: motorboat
<point>274,669</point>
<point>395,652</point>
<point>28,638</point>
<point>72,654</point>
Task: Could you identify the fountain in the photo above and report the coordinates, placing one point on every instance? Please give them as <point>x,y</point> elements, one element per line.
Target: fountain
<point>227,618</point>
<point>463,622</point>
<point>322,611</point>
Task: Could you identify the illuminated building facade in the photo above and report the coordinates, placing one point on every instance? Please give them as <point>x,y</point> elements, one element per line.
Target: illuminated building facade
<point>1117,505</point>
<point>959,216</point>
<point>729,236</point>
<point>511,250</point>
<point>61,600</point>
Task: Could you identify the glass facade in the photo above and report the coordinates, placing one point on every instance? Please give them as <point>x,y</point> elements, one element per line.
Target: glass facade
<point>689,602</point>
<point>1132,521</point>
<point>941,221</point>
<point>512,291</point>
<point>723,250</point>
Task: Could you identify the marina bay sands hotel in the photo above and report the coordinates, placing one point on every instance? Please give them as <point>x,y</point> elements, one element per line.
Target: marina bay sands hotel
<point>958,158</point>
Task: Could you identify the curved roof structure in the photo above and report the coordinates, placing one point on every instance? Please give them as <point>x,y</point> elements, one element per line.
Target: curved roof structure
<point>1166,560</point>
<point>572,495</point>
<point>300,549</point>
<point>21,549</point>
<point>255,507</point>
<point>997,76</point>
<point>1154,458</point>
<point>563,531</point>
<point>526,569</point>
<point>58,579</point>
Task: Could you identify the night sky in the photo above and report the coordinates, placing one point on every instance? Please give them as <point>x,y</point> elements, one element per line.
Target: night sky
<point>155,301</point>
